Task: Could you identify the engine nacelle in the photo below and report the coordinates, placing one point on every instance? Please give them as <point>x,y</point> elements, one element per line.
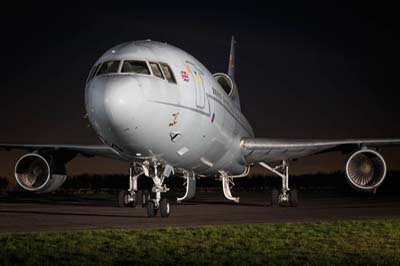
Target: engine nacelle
<point>33,172</point>
<point>229,86</point>
<point>365,170</point>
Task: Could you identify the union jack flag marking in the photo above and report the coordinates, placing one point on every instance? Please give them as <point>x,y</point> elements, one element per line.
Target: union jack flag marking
<point>184,75</point>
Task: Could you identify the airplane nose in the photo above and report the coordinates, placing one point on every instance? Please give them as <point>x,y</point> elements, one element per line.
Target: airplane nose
<point>113,104</point>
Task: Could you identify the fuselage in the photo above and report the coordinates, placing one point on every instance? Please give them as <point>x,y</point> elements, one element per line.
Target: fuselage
<point>151,100</point>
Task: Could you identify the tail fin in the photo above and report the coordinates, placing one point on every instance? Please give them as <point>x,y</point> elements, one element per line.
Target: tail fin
<point>231,67</point>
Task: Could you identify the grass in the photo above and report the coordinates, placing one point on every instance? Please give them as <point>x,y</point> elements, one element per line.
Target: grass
<point>323,243</point>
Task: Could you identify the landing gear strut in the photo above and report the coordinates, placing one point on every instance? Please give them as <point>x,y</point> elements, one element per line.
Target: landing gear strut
<point>158,203</point>
<point>287,196</point>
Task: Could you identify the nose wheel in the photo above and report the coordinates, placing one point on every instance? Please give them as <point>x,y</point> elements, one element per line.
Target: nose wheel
<point>155,204</point>
<point>151,209</point>
<point>164,208</point>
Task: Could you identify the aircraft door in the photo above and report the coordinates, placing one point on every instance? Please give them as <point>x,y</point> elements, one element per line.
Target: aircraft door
<point>199,84</point>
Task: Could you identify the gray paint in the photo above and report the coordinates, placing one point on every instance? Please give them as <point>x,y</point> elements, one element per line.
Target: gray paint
<point>135,116</point>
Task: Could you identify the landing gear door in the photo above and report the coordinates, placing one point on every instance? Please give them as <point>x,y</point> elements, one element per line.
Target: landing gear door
<point>199,85</point>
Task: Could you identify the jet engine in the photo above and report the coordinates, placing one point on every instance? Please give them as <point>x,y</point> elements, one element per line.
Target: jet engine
<point>229,86</point>
<point>38,173</point>
<point>365,170</point>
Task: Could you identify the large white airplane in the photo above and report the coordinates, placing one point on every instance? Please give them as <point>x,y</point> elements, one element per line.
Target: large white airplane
<point>160,109</point>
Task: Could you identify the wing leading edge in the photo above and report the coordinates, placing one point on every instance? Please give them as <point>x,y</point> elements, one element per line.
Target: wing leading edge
<point>84,150</point>
<point>265,150</point>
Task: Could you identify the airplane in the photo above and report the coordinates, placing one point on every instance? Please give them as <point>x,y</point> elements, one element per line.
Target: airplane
<point>158,108</point>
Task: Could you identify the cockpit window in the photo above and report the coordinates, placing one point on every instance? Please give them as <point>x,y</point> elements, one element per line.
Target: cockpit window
<point>108,67</point>
<point>93,72</point>
<point>168,72</point>
<point>156,70</point>
<point>138,67</point>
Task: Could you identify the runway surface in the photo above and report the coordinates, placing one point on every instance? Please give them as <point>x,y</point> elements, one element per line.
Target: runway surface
<point>33,215</point>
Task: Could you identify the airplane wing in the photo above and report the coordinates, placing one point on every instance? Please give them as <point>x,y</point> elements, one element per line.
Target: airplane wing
<point>266,150</point>
<point>83,150</point>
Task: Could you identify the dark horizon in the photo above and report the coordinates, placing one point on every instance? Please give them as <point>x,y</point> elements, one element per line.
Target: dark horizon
<point>317,70</point>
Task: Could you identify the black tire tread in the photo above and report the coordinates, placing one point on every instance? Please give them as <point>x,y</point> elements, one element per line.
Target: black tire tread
<point>151,211</point>
<point>164,206</point>
<point>121,199</point>
<point>274,198</point>
<point>293,198</point>
<point>139,198</point>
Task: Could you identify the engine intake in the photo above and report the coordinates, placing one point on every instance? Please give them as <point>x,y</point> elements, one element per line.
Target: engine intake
<point>33,172</point>
<point>229,86</point>
<point>365,170</point>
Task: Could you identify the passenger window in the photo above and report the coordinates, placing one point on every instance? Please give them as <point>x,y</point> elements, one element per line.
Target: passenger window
<point>168,72</point>
<point>138,67</point>
<point>156,70</point>
<point>108,67</point>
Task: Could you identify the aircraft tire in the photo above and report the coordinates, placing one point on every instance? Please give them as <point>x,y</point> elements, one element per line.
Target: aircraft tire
<point>293,198</point>
<point>151,210</point>
<point>165,208</point>
<point>146,197</point>
<point>122,199</point>
<point>139,198</point>
<point>274,198</point>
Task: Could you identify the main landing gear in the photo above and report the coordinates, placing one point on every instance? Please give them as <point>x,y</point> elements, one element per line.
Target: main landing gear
<point>153,202</point>
<point>286,196</point>
<point>133,197</point>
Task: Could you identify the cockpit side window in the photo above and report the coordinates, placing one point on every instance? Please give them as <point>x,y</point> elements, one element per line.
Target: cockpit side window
<point>156,70</point>
<point>169,75</point>
<point>133,66</point>
<point>93,72</point>
<point>108,67</point>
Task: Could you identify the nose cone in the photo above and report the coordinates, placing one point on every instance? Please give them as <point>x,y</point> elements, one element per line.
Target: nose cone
<point>113,104</point>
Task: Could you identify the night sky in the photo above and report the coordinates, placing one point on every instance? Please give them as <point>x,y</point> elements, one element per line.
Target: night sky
<point>322,70</point>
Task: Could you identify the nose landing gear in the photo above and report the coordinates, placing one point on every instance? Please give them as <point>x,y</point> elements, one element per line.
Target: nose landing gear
<point>158,203</point>
<point>165,208</point>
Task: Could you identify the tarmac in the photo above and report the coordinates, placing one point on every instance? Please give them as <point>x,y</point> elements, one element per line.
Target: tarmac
<point>71,214</point>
